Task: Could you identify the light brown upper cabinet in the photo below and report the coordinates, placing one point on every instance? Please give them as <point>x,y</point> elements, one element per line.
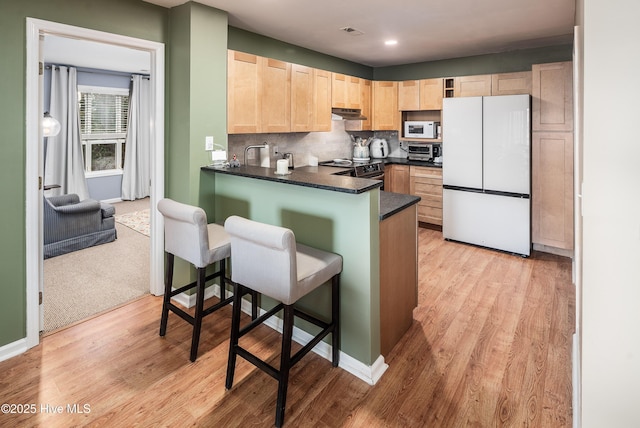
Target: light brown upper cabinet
<point>310,99</point>
<point>424,94</point>
<point>243,93</point>
<point>409,95</point>
<point>552,96</point>
<point>511,83</point>
<point>275,96</point>
<point>353,92</point>
<point>473,86</point>
<point>322,100</point>
<point>345,91</point>
<point>431,94</point>
<point>339,90</point>
<point>386,116</point>
<point>365,106</point>
<point>302,93</point>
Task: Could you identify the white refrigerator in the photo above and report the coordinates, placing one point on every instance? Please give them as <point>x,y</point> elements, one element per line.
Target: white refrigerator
<point>486,172</point>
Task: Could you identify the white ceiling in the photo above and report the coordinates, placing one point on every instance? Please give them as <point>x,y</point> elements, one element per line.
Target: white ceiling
<point>426,30</point>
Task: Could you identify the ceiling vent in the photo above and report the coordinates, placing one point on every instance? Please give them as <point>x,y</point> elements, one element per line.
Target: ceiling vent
<point>352,31</point>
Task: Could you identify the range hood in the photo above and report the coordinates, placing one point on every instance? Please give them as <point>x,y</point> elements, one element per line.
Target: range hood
<point>348,113</point>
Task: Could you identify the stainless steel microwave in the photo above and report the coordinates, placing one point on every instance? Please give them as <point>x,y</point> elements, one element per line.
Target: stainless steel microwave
<point>420,129</point>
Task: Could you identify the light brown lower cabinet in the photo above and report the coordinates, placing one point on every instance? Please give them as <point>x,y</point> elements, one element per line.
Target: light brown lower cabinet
<point>396,179</point>
<point>426,182</point>
<point>552,189</point>
<point>398,276</point>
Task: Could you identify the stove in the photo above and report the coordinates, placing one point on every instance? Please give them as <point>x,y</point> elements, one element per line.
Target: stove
<point>359,168</point>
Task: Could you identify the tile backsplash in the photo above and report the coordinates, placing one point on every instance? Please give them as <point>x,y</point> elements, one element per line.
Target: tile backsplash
<point>323,145</point>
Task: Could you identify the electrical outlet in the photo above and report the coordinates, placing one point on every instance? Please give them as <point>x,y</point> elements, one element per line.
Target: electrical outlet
<point>208,143</point>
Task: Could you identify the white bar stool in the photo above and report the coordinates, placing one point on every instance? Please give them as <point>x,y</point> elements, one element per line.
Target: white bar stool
<point>268,260</point>
<point>188,236</point>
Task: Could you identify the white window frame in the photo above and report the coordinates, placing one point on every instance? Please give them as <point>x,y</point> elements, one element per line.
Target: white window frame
<point>89,139</point>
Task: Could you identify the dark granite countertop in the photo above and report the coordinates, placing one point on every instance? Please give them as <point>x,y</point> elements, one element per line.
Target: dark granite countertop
<point>318,177</point>
<point>392,203</point>
<point>405,161</point>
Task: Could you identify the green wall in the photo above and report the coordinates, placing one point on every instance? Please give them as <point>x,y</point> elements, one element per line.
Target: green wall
<point>506,62</point>
<point>197,105</point>
<point>520,60</point>
<point>127,17</point>
<point>245,41</point>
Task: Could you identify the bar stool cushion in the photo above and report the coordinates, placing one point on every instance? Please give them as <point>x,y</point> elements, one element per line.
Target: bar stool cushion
<point>283,270</point>
<point>189,237</point>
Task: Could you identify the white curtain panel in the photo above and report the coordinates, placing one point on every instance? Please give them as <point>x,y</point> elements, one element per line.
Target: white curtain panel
<point>136,175</point>
<point>64,164</point>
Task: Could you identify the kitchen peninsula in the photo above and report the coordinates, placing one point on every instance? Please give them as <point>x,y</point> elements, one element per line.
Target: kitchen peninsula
<point>351,217</point>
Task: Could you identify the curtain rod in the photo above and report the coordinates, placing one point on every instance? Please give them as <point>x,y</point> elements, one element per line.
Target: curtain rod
<point>97,71</point>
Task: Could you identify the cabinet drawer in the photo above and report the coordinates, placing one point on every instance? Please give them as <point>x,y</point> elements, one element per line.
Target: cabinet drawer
<point>422,171</point>
<point>430,200</point>
<point>420,189</point>
<point>430,215</point>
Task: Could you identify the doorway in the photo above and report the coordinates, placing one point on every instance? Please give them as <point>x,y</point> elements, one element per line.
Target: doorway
<point>34,159</point>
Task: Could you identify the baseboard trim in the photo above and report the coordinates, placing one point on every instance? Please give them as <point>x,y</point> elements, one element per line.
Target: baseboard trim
<point>575,357</point>
<point>12,349</point>
<point>553,250</point>
<point>369,374</point>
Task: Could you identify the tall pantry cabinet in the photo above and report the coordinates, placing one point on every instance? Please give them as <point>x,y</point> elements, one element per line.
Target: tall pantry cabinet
<point>552,155</point>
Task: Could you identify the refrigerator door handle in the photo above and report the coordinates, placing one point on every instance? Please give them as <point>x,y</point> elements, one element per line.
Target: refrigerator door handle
<point>487,192</point>
<point>509,194</point>
<point>462,189</point>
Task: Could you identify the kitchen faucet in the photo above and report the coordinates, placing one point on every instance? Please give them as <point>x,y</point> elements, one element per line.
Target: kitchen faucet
<point>265,145</point>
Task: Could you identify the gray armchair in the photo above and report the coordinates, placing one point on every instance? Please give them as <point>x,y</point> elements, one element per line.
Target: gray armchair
<point>71,224</point>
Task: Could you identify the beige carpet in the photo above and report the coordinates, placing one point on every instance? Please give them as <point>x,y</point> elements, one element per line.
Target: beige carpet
<point>84,283</point>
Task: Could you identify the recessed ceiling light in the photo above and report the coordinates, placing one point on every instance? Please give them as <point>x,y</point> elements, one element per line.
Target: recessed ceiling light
<point>391,42</point>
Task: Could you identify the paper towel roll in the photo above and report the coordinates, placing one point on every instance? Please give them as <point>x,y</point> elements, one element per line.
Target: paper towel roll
<point>265,161</point>
<point>282,166</point>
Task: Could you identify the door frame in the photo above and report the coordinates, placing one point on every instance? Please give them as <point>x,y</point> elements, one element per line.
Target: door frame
<point>35,163</point>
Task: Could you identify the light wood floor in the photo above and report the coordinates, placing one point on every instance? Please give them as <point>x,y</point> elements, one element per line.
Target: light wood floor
<point>490,346</point>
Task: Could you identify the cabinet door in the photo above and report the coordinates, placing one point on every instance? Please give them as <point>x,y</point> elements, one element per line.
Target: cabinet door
<point>353,92</point>
<point>275,96</point>
<point>338,90</point>
<point>511,83</point>
<point>431,94</point>
<point>365,101</point>
<point>396,179</point>
<point>552,189</point>
<point>409,95</point>
<point>473,86</point>
<point>385,106</point>
<point>552,93</point>
<point>243,93</point>
<point>322,101</point>
<point>302,92</point>
<point>365,107</point>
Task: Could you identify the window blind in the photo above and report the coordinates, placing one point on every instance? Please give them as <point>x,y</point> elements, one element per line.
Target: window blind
<point>103,112</point>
